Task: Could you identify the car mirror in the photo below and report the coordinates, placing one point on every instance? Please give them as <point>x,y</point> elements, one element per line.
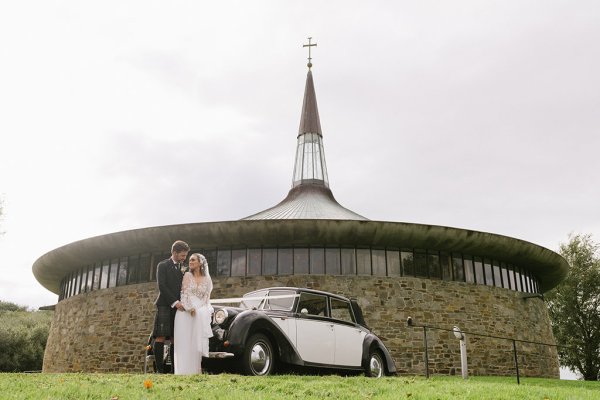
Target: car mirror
<point>304,311</point>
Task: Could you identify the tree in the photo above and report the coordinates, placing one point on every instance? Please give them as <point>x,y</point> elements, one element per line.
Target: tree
<point>574,307</point>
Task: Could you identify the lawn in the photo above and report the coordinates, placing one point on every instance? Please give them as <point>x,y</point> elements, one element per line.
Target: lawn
<point>228,386</point>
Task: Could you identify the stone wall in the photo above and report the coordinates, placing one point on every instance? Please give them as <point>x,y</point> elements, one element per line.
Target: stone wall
<point>107,330</point>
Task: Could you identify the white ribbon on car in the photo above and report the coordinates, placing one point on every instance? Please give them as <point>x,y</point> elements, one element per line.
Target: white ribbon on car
<point>240,299</point>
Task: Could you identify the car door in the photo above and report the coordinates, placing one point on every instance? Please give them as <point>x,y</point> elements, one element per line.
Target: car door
<point>349,336</point>
<point>280,303</point>
<point>314,330</point>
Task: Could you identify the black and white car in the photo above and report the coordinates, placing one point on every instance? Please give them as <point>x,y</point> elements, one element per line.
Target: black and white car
<point>289,326</point>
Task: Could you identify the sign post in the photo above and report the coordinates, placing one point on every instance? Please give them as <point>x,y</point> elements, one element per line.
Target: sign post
<point>463,351</point>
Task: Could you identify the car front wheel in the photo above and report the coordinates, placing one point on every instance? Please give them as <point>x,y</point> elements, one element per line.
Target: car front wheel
<point>375,368</point>
<point>258,358</point>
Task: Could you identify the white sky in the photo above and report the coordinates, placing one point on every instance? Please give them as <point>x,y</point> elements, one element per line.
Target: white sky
<point>118,115</point>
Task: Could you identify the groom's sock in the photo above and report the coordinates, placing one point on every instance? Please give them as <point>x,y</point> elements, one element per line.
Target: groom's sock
<point>159,353</point>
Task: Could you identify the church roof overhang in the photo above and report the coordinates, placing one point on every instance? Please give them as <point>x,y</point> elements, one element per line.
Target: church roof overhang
<point>549,267</point>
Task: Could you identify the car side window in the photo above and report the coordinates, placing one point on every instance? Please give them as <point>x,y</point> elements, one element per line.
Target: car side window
<point>341,310</point>
<point>315,304</point>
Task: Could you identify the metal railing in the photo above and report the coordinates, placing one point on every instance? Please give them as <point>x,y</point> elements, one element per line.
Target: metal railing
<point>514,341</point>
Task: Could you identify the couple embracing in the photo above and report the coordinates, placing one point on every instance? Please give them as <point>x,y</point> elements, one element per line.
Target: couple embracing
<point>183,310</point>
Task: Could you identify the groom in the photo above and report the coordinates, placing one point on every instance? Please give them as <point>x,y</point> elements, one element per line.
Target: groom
<point>168,277</point>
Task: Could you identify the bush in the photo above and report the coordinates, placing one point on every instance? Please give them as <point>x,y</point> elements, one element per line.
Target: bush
<point>23,336</point>
<point>6,306</point>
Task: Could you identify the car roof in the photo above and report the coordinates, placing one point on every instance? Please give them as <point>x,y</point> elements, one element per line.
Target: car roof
<point>353,303</point>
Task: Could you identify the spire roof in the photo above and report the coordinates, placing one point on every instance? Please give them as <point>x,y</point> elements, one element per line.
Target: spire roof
<point>308,202</point>
<point>309,119</point>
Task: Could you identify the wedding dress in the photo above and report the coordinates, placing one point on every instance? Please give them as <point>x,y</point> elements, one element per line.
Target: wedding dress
<point>192,332</point>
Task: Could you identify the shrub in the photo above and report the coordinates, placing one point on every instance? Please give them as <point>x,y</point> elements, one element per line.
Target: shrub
<point>23,336</point>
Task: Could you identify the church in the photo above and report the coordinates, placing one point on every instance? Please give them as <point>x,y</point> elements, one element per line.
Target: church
<point>439,276</point>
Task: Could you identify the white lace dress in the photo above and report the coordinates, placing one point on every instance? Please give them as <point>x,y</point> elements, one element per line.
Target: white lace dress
<point>192,333</point>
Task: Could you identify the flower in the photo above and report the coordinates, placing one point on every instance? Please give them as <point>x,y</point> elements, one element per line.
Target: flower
<point>148,384</point>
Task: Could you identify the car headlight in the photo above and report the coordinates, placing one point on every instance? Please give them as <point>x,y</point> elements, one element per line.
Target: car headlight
<point>221,316</point>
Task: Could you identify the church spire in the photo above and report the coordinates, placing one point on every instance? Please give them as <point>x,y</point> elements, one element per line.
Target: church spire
<point>310,196</point>
<point>310,167</point>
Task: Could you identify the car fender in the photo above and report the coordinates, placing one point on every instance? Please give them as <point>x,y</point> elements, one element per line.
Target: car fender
<point>371,341</point>
<point>249,322</point>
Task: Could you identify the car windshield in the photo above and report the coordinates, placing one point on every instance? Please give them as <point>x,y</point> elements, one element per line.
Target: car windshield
<point>280,300</point>
<point>277,300</point>
<point>253,300</point>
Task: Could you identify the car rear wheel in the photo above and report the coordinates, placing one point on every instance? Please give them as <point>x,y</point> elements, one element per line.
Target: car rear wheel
<point>258,358</point>
<point>375,368</point>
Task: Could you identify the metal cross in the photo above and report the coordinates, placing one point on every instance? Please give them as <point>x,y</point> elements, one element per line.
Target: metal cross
<point>309,45</point>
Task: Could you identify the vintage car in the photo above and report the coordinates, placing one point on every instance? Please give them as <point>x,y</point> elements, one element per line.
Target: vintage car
<point>285,326</point>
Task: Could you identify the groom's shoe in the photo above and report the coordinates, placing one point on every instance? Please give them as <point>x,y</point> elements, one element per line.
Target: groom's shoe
<point>159,354</point>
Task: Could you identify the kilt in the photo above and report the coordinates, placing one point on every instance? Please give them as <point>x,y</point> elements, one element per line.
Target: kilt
<point>164,321</point>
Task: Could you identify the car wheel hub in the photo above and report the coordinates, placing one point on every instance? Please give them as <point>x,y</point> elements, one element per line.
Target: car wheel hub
<point>260,358</point>
<point>375,367</point>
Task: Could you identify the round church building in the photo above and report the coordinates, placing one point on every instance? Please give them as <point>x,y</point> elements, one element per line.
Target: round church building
<point>491,286</point>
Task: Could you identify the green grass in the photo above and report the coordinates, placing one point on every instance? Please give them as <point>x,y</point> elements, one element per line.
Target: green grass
<point>228,386</point>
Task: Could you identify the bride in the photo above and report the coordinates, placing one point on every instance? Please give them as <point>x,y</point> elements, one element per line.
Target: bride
<point>192,326</point>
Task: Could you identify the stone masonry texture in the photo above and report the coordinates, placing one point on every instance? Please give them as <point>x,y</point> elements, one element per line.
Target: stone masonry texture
<point>107,330</point>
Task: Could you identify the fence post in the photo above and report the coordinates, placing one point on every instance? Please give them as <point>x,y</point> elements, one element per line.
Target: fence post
<point>516,361</point>
<point>426,354</point>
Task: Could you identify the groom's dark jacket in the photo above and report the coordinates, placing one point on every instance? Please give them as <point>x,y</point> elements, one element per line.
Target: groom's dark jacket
<point>168,277</point>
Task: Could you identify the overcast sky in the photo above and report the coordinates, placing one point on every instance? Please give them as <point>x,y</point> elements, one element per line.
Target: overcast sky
<point>129,114</point>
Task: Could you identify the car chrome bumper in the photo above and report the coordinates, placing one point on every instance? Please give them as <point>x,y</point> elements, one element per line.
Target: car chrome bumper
<point>219,354</point>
